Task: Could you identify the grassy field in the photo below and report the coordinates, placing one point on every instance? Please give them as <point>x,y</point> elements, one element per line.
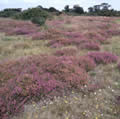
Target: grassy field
<point>98,98</point>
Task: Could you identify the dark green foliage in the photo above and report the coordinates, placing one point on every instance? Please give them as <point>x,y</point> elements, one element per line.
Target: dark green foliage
<point>38,20</point>
<point>102,10</point>
<point>10,12</point>
<point>67,9</point>
<point>31,13</point>
<point>37,15</point>
<point>75,11</point>
<point>52,9</point>
<point>78,9</point>
<point>90,9</point>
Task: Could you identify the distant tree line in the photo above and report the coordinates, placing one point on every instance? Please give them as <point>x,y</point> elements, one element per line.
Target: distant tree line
<point>39,14</point>
<point>76,10</point>
<point>9,12</point>
<point>104,9</point>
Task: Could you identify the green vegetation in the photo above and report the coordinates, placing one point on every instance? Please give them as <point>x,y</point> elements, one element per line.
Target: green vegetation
<point>31,13</point>
<point>9,12</point>
<point>38,20</point>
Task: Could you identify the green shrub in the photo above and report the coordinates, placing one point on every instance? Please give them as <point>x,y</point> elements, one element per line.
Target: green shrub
<point>31,13</point>
<point>38,20</point>
<point>9,12</point>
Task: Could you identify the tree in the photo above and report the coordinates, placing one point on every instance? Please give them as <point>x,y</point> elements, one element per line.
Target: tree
<point>52,9</point>
<point>67,9</point>
<point>105,6</point>
<point>39,6</point>
<point>96,8</point>
<point>78,9</point>
<point>90,9</point>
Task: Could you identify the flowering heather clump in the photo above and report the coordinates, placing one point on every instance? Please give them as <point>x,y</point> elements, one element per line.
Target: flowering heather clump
<point>113,32</point>
<point>15,27</point>
<point>103,34</point>
<point>67,41</point>
<point>20,31</point>
<point>53,33</point>
<point>35,77</point>
<point>66,52</point>
<point>39,36</point>
<point>86,63</point>
<point>103,57</point>
<point>96,37</point>
<point>73,34</point>
<point>55,23</point>
<point>58,42</point>
<point>91,46</point>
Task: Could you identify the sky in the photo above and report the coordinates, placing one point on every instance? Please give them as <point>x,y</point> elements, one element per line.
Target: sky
<point>59,4</point>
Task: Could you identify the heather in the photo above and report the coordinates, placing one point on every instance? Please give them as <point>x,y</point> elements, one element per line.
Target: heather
<point>91,46</point>
<point>38,76</point>
<point>103,57</point>
<point>60,64</point>
<point>14,27</point>
<point>66,52</point>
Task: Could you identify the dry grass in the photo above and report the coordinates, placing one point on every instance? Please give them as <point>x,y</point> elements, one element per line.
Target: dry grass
<point>114,46</point>
<point>15,47</point>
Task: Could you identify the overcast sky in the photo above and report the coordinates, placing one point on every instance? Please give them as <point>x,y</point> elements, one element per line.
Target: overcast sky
<point>59,4</point>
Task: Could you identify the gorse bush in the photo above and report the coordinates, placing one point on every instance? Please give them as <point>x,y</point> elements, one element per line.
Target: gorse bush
<point>38,20</point>
<point>36,15</point>
<point>103,57</point>
<point>31,13</point>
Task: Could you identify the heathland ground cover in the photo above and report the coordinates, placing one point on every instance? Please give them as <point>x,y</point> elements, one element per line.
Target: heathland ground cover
<point>67,69</point>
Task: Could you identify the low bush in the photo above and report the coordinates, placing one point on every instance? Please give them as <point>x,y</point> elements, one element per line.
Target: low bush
<point>20,31</point>
<point>66,52</point>
<point>31,13</point>
<point>39,36</point>
<point>86,63</point>
<point>97,37</point>
<point>15,27</point>
<point>35,77</point>
<point>62,41</point>
<point>38,20</point>
<point>91,46</point>
<point>73,34</point>
<point>103,57</point>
